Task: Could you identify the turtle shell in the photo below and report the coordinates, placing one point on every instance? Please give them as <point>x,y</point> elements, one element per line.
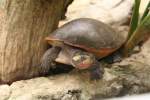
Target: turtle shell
<point>88,34</point>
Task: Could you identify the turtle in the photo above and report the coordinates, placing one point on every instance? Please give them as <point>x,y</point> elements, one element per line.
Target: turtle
<point>82,43</point>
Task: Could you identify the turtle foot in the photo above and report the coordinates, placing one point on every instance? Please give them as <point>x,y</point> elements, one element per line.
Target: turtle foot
<point>96,72</point>
<point>115,57</point>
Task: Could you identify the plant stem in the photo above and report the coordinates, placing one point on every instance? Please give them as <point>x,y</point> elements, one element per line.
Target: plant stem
<point>141,34</point>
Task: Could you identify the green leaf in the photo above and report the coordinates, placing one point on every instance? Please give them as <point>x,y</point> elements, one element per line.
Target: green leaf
<point>134,19</point>
<point>141,34</point>
<point>146,11</point>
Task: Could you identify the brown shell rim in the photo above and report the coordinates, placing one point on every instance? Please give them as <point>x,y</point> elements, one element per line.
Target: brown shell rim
<point>101,53</point>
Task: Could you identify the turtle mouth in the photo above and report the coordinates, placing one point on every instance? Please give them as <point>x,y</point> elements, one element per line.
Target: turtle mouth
<point>83,66</point>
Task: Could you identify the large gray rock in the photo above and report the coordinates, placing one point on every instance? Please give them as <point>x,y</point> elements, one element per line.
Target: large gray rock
<point>108,11</point>
<point>4,92</point>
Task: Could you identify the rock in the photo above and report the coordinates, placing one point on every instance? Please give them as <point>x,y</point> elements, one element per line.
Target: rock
<point>108,11</point>
<point>4,92</point>
<point>134,97</point>
<point>74,86</point>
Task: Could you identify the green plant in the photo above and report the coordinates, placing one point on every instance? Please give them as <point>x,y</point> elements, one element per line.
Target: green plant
<point>139,28</point>
<point>134,19</point>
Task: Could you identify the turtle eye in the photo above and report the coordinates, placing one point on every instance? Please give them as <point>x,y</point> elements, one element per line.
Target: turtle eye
<point>82,61</point>
<point>77,58</point>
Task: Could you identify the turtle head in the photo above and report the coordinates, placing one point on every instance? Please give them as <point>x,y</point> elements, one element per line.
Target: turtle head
<point>82,60</point>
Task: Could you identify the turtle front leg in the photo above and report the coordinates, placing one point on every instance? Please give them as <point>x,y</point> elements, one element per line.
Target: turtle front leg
<point>96,71</point>
<point>47,61</point>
